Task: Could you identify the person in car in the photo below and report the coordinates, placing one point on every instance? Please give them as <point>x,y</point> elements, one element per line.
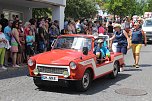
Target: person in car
<point>101,50</point>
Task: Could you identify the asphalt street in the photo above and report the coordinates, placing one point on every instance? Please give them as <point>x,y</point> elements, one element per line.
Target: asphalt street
<point>15,85</point>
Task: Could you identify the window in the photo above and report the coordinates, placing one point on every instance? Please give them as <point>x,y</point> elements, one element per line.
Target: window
<point>76,43</point>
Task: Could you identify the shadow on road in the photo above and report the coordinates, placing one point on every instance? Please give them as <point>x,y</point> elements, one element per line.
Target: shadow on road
<point>142,65</point>
<point>99,85</point>
<point>14,72</point>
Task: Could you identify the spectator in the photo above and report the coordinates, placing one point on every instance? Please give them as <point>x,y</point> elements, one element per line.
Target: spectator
<point>3,22</point>
<point>33,28</point>
<point>29,43</point>
<point>94,29</point>
<point>27,26</point>
<point>110,29</point>
<point>15,42</point>
<point>56,23</point>
<point>71,28</point>
<point>3,42</point>
<point>101,29</point>
<point>47,26</point>
<point>21,55</point>
<point>78,26</point>
<point>54,33</point>
<point>89,28</point>
<point>7,32</point>
<point>42,34</point>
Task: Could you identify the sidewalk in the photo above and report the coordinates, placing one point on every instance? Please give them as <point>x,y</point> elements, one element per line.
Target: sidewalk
<point>13,72</point>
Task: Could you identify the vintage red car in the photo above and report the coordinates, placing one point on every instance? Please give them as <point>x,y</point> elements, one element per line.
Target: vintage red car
<point>72,61</point>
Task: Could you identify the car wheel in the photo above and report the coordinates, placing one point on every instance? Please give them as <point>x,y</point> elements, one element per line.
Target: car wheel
<point>85,82</point>
<point>38,83</point>
<point>115,70</point>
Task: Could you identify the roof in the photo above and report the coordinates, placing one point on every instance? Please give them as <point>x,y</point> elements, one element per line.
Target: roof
<point>34,3</point>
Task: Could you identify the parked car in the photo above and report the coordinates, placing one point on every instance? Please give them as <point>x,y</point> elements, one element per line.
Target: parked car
<point>147,28</point>
<point>72,62</point>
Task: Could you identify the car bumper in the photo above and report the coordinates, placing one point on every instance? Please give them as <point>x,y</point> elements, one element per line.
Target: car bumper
<point>149,36</point>
<point>60,82</point>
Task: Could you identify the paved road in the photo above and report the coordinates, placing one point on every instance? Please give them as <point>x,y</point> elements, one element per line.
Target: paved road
<point>16,86</point>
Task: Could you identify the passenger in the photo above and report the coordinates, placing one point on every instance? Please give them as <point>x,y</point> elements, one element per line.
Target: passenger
<point>101,50</point>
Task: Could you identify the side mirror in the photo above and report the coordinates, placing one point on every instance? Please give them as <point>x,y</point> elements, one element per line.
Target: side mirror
<point>53,43</point>
<point>85,50</point>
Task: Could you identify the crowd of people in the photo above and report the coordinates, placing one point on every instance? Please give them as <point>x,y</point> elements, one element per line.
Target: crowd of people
<point>19,41</point>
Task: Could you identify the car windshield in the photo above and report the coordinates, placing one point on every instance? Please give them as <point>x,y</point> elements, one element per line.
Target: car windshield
<point>148,23</point>
<point>76,43</point>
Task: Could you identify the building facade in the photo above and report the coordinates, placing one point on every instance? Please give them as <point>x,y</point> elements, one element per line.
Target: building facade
<point>23,8</point>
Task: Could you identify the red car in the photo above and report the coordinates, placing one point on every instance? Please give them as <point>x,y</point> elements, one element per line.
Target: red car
<point>72,61</point>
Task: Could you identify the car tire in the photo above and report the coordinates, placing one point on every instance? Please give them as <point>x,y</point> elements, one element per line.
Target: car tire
<point>38,83</point>
<point>85,82</point>
<point>115,70</point>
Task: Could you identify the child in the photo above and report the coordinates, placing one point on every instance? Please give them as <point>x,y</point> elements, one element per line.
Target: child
<point>101,50</point>
<point>29,43</point>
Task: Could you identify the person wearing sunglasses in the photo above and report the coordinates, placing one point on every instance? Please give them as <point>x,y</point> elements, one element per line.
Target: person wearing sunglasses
<point>137,40</point>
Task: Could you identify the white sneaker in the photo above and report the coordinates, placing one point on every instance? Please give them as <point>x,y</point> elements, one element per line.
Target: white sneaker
<point>16,66</point>
<point>3,67</point>
<point>121,69</point>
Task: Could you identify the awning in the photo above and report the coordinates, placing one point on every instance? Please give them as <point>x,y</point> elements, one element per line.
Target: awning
<point>34,3</point>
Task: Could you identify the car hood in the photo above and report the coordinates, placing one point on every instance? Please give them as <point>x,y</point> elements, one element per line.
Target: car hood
<point>58,57</point>
<point>147,29</point>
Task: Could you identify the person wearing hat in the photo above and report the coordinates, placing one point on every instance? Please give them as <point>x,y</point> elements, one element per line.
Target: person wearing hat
<point>101,51</point>
<point>120,40</point>
<point>140,21</point>
<point>136,38</point>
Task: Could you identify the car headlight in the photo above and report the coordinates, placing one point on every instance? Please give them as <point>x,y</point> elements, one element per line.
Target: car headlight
<point>30,62</point>
<point>73,65</point>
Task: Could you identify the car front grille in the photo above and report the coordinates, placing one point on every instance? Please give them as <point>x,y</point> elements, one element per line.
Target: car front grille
<point>51,70</point>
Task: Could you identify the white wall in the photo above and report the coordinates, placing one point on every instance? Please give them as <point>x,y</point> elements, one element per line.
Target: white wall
<point>58,14</point>
<point>58,2</point>
<point>27,12</point>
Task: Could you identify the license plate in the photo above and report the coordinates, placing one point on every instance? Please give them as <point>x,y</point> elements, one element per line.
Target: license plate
<point>49,78</point>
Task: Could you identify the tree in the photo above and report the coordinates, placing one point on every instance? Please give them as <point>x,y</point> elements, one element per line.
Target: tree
<point>148,7</point>
<point>80,8</point>
<point>41,12</point>
<point>121,8</point>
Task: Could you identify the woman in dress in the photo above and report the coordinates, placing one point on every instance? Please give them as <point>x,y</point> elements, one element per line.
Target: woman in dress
<point>15,42</point>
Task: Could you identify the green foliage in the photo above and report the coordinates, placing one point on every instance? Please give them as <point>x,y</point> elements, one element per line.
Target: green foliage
<point>80,8</point>
<point>41,12</point>
<point>125,7</point>
<point>148,7</point>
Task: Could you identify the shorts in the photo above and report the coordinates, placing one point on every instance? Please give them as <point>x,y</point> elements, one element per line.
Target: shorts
<point>114,47</point>
<point>20,49</point>
<point>42,46</point>
<point>136,48</point>
<point>14,49</point>
<point>30,50</point>
<point>122,49</point>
